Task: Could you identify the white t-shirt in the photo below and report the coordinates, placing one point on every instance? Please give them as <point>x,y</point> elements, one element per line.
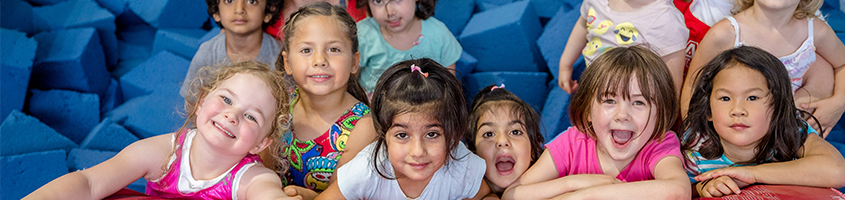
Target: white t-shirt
<point>457,179</point>
<point>711,11</point>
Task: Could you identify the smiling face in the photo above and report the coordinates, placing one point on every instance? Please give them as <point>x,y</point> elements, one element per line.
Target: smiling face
<point>320,58</point>
<point>623,126</point>
<point>740,108</point>
<point>237,116</point>
<point>393,15</point>
<point>504,144</point>
<point>416,146</point>
<point>242,16</point>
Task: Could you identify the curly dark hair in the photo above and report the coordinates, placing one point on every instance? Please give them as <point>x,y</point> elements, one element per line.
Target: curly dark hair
<point>424,10</point>
<point>273,7</point>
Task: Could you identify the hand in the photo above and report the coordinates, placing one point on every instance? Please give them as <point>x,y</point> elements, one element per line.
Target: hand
<point>718,187</point>
<point>742,174</point>
<point>827,111</point>
<point>566,83</point>
<point>290,190</point>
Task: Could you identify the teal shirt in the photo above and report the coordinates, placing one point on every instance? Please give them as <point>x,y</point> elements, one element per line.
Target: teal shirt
<point>377,55</point>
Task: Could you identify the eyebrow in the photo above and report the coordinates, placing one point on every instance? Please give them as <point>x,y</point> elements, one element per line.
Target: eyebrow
<point>746,91</point>
<point>426,126</point>
<point>509,123</point>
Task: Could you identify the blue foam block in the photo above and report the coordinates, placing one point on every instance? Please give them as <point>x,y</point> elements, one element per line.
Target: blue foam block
<point>831,4</point>
<point>23,174</point>
<point>213,32</point>
<point>529,86</point>
<point>124,66</point>
<point>21,133</point>
<point>70,59</point>
<point>129,18</point>
<point>484,5</point>
<point>130,51</point>
<point>465,65</point>
<point>555,115</point>
<point>16,66</point>
<point>83,13</point>
<point>555,35</point>
<point>164,70</point>
<point>548,8</point>
<point>112,98</point>
<point>153,114</point>
<point>841,37</point>
<point>17,15</point>
<point>183,42</point>
<point>171,13</point>
<point>139,185</point>
<point>139,34</point>
<point>79,159</point>
<point>116,7</point>
<point>71,113</point>
<point>108,136</point>
<point>504,39</point>
<point>454,14</point>
<point>836,19</point>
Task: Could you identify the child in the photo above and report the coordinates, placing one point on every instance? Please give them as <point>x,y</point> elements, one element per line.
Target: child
<point>420,117</point>
<point>620,145</point>
<point>242,38</point>
<point>737,91</point>
<point>605,24</point>
<point>290,6</point>
<point>790,30</point>
<point>505,131</point>
<point>320,54</point>
<point>239,113</point>
<point>399,30</point>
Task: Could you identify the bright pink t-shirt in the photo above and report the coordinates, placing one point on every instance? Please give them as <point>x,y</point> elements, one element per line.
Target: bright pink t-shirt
<point>575,153</point>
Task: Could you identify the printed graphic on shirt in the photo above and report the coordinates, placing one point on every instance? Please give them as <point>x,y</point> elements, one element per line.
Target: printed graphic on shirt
<point>626,33</point>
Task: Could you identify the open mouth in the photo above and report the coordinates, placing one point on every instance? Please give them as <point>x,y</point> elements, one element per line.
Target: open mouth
<point>621,137</point>
<point>224,130</point>
<point>320,76</point>
<point>624,38</point>
<point>504,165</point>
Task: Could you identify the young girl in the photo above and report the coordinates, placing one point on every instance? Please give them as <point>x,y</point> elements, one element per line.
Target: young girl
<point>420,119</point>
<point>238,113</point>
<point>790,30</point>
<point>505,131</point>
<point>620,145</point>
<point>399,30</point>
<point>605,24</point>
<point>320,53</point>
<point>743,128</point>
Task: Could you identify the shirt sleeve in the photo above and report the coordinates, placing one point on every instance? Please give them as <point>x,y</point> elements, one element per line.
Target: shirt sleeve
<point>475,170</point>
<point>560,149</point>
<point>355,179</point>
<point>451,49</point>
<point>668,33</point>
<point>670,146</point>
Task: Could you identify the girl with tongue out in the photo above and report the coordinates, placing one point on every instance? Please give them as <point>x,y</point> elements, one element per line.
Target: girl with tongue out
<point>620,146</point>
<point>505,131</point>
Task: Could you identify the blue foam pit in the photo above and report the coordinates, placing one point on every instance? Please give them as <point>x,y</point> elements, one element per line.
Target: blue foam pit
<point>46,2</point>
<point>484,5</point>
<point>139,185</point>
<point>504,39</point>
<point>171,13</point>
<point>83,13</point>
<point>555,115</point>
<point>108,136</point>
<point>163,70</point>
<point>112,98</point>
<point>116,7</point>
<point>183,42</point>
<point>17,15</point>
<point>548,8</point>
<point>21,133</point>
<point>154,114</point>
<point>128,51</point>
<point>213,32</point>
<point>831,4</point>
<point>555,35</point>
<point>454,14</point>
<point>80,159</point>
<point>70,59</point>
<point>129,18</point>
<point>71,113</point>
<point>124,66</point>
<point>16,65</point>
<point>465,65</point>
<point>23,174</point>
<point>836,19</point>
<point>528,86</point>
<point>139,34</point>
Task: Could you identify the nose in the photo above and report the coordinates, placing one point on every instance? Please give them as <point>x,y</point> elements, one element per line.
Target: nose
<point>388,8</point>
<point>502,141</point>
<point>231,117</point>
<point>319,59</point>
<point>239,7</point>
<point>417,149</point>
<point>738,109</point>
<point>622,113</point>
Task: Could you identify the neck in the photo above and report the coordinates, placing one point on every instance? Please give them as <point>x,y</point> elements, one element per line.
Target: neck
<point>206,162</point>
<point>495,189</point>
<point>609,165</point>
<point>243,47</point>
<point>775,19</point>
<point>739,154</point>
<point>411,188</point>
<point>328,103</point>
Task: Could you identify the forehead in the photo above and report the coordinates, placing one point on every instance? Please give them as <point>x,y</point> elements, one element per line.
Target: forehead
<point>739,76</point>
<point>249,90</point>
<point>620,85</point>
<point>319,27</point>
<point>414,118</point>
<point>498,111</point>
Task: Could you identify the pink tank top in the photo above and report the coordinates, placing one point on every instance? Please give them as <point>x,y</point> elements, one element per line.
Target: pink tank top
<point>167,187</point>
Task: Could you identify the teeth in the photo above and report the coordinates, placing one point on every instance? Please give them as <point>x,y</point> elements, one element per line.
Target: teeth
<point>320,76</point>
<point>224,130</point>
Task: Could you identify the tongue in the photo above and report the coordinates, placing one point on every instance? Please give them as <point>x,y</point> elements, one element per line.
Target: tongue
<point>622,137</point>
<point>504,166</point>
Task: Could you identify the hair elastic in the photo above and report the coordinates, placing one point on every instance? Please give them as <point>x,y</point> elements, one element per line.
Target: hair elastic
<point>502,86</point>
<point>415,68</point>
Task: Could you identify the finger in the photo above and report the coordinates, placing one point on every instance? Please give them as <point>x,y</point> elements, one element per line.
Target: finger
<point>574,85</point>
<point>732,186</point>
<point>290,191</point>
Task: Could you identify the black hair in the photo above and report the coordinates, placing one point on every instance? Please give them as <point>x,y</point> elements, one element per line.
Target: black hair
<point>272,8</point>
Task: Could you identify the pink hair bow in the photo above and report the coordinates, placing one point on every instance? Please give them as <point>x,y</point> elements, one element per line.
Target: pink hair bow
<point>415,68</point>
<point>502,86</point>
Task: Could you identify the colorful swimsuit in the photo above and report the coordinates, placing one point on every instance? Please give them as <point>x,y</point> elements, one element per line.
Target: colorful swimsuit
<point>796,63</point>
<point>312,162</point>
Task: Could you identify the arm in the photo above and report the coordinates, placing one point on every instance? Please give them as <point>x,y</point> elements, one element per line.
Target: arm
<point>675,63</point>
<point>362,135</point>
<point>830,109</point>
<point>258,182</point>
<point>821,165</point>
<point>332,192</point>
<point>577,41</point>
<point>717,187</point>
<point>133,162</point>
<point>718,39</point>
<point>670,182</point>
<point>452,68</point>
<point>541,182</point>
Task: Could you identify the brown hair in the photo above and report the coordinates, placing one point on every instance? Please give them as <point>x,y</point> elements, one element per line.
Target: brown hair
<point>209,78</point>
<point>424,8</point>
<point>611,73</point>
<point>806,8</point>
<point>272,8</point>
<point>487,99</point>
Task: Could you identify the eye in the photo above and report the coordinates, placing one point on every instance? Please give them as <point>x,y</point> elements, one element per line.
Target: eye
<point>608,101</point>
<point>639,103</point>
<point>516,132</point>
<point>334,49</point>
<point>752,98</point>
<point>250,117</point>
<point>377,2</point>
<point>252,2</point>
<point>401,136</point>
<point>724,99</point>
<point>487,134</point>
<point>432,135</point>
<point>226,100</point>
<point>305,50</point>
<point>227,1</point>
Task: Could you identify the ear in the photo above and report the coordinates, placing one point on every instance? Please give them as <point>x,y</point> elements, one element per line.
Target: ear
<point>261,145</point>
<point>286,63</point>
<point>268,17</point>
<point>199,106</point>
<point>355,59</point>
<point>216,16</point>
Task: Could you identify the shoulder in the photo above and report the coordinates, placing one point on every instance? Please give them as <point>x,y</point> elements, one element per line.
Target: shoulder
<point>270,42</point>
<point>151,153</point>
<point>357,177</point>
<point>436,26</point>
<point>722,32</point>
<point>367,25</point>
